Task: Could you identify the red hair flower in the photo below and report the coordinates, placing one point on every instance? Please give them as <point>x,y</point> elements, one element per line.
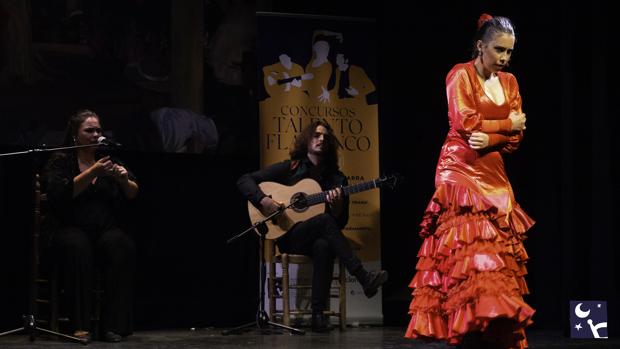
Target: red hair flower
<point>483,18</point>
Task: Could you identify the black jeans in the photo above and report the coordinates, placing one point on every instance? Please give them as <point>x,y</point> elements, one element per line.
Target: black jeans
<point>320,238</point>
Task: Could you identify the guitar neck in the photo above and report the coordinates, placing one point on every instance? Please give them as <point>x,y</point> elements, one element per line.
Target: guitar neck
<point>318,198</point>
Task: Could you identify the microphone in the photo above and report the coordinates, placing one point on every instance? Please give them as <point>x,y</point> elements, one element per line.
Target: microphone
<point>106,141</point>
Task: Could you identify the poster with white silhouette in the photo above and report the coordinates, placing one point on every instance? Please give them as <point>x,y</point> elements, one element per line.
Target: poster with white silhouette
<point>325,68</point>
<point>588,319</point>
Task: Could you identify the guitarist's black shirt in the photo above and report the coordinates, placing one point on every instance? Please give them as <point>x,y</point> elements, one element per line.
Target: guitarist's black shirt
<point>289,172</point>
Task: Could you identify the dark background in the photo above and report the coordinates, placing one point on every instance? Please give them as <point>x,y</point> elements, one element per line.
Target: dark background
<point>563,175</point>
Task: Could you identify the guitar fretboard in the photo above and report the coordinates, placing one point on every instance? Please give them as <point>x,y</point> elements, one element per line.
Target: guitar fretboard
<point>318,198</point>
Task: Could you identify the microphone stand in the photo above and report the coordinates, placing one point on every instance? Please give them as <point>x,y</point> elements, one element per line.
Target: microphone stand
<point>29,320</point>
<point>262,318</point>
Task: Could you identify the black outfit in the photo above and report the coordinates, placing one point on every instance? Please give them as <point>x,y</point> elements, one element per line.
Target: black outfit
<point>319,237</point>
<point>87,241</point>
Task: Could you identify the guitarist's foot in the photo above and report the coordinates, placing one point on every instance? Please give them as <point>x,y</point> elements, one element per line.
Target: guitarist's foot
<point>320,323</point>
<point>373,281</point>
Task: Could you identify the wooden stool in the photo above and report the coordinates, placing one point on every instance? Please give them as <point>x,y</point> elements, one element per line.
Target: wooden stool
<point>285,260</point>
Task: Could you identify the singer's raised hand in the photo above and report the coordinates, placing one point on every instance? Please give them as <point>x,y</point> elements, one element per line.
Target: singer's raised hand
<point>100,168</point>
<point>103,167</point>
<point>120,173</point>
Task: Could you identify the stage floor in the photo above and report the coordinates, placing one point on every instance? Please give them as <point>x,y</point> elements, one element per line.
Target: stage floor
<point>358,338</point>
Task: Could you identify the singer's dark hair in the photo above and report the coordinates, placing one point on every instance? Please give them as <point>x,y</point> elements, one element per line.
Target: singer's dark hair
<point>75,121</point>
<point>73,125</point>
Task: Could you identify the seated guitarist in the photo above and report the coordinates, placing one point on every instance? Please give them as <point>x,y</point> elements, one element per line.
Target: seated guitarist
<point>315,156</point>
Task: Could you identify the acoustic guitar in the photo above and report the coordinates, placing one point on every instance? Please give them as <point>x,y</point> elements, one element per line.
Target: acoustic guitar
<point>304,200</point>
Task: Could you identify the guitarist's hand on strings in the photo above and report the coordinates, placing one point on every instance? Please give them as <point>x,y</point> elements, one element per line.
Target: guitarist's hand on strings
<point>269,206</point>
<point>334,199</point>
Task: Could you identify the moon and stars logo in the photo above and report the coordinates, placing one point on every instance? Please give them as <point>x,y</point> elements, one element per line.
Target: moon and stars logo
<point>588,319</point>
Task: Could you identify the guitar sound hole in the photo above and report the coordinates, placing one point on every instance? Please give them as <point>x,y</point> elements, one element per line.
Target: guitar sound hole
<point>299,201</point>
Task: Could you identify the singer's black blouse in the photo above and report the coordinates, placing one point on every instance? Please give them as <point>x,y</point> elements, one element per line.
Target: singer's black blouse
<point>95,210</point>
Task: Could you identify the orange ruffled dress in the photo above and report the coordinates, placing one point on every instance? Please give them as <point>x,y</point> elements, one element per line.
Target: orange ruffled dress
<point>471,264</point>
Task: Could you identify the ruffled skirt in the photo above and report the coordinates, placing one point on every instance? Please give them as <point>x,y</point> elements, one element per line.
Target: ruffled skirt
<point>470,270</point>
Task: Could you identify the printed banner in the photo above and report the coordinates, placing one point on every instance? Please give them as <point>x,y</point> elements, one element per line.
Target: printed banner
<point>324,68</point>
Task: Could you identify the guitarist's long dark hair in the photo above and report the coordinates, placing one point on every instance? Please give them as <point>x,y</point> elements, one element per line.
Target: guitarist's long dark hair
<point>330,158</point>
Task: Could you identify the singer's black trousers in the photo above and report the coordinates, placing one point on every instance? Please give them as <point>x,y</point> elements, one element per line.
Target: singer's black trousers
<point>320,238</point>
<point>80,256</point>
